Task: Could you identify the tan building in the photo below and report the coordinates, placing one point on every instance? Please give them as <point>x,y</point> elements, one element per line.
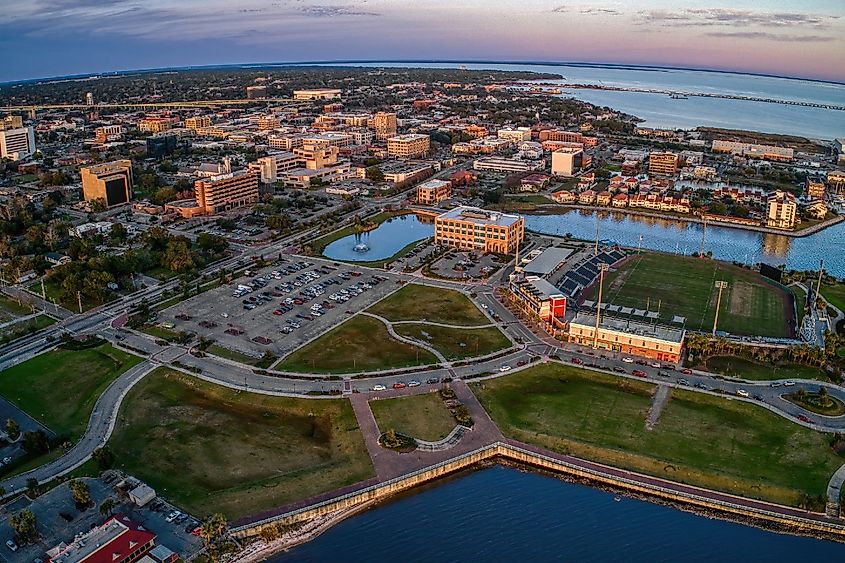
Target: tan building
<point>317,94</point>
<point>628,337</point>
<point>836,182</point>
<point>411,145</point>
<point>665,163</point>
<point>226,191</point>
<point>814,189</point>
<point>156,124</point>
<point>198,122</point>
<point>11,122</point>
<point>433,192</point>
<point>110,182</point>
<point>750,150</point>
<point>567,161</point>
<point>471,228</point>
<point>316,153</point>
<point>781,210</point>
<point>108,133</point>
<point>385,125</point>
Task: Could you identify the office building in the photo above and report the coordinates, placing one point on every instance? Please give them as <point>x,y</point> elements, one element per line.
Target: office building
<point>117,540</point>
<point>750,150</point>
<point>663,163</point>
<point>11,122</point>
<point>433,192</point>
<point>108,133</point>
<point>316,153</point>
<point>471,228</point>
<point>385,125</point>
<point>226,191</point>
<point>286,142</point>
<point>625,336</point>
<point>558,135</point>
<point>781,210</point>
<point>110,182</point>
<point>157,124</point>
<point>271,168</point>
<point>18,143</point>
<point>160,145</point>
<point>410,145</point>
<point>507,165</point>
<point>256,92</point>
<point>836,182</point>
<point>567,161</point>
<point>198,122</point>
<point>516,135</point>
<point>317,94</point>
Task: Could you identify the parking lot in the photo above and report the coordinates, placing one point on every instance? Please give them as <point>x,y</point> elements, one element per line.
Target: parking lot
<point>281,307</point>
<point>466,265</point>
<point>10,451</point>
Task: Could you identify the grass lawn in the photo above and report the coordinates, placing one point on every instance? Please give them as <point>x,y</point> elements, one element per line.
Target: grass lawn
<point>684,286</point>
<point>213,449</point>
<point>835,295</point>
<point>699,439</point>
<point>53,293</point>
<point>10,308</point>
<point>733,366</point>
<point>59,388</point>
<point>419,416</point>
<point>159,331</point>
<point>421,302</point>
<point>218,350</point>
<point>457,343</point>
<point>360,344</point>
<point>23,328</point>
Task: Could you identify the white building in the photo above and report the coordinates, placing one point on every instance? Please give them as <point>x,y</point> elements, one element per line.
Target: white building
<point>499,164</point>
<point>317,94</point>
<point>516,135</point>
<point>781,210</point>
<point>16,144</point>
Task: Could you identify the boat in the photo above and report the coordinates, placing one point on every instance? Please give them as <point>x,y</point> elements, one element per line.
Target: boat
<point>678,97</point>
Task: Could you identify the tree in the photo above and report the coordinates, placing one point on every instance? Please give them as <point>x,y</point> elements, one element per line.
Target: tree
<point>177,256</point>
<point>81,493</point>
<point>107,506</point>
<point>375,174</point>
<point>13,429</point>
<point>213,528</point>
<point>212,243</point>
<point>103,457</point>
<point>32,488</point>
<point>23,523</point>
<point>118,233</point>
<point>35,442</point>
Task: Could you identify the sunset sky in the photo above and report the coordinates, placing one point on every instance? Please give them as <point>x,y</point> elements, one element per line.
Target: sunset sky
<point>42,38</point>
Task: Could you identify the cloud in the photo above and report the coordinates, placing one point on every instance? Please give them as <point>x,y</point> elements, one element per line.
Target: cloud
<point>586,10</point>
<point>726,17</point>
<point>771,36</point>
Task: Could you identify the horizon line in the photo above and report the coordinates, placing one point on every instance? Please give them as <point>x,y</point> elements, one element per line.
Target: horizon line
<point>410,62</point>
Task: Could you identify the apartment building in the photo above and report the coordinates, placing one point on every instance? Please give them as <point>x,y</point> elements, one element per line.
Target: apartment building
<point>385,125</point>
<point>17,143</point>
<point>110,182</point>
<point>661,343</point>
<point>836,182</point>
<point>567,161</point>
<point>781,210</point>
<point>663,163</point>
<point>485,145</point>
<point>471,228</point>
<point>157,124</point>
<point>285,142</point>
<point>750,150</point>
<point>560,135</point>
<point>108,133</point>
<point>814,189</point>
<point>409,145</point>
<point>198,122</point>
<point>226,191</point>
<point>433,192</point>
<point>317,94</point>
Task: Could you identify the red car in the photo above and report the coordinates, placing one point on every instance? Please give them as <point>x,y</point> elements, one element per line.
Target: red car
<point>399,385</point>
<point>638,373</point>
<point>577,361</point>
<point>277,312</point>
<point>687,371</point>
<point>803,418</point>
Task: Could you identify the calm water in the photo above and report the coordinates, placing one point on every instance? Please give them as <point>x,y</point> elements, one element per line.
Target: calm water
<point>658,110</point>
<point>681,237</point>
<point>500,514</point>
<point>389,238</point>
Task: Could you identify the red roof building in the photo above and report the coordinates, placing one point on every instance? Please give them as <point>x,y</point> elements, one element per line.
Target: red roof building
<point>117,540</point>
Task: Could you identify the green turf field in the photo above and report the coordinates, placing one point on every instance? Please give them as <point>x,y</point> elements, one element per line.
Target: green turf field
<point>684,286</point>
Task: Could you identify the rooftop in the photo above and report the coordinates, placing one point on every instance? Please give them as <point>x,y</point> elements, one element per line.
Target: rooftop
<point>116,538</point>
<point>547,261</point>
<point>627,326</point>
<point>479,216</point>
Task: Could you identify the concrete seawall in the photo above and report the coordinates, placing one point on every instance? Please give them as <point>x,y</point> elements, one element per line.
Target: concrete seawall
<point>774,516</point>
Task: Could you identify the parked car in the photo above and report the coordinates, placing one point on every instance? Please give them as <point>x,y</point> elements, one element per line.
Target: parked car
<point>379,387</point>
<point>628,360</point>
<point>432,380</point>
<point>687,371</point>
<point>801,417</point>
<point>399,385</point>
<point>11,545</point>
<point>172,516</point>
<point>577,361</point>
<point>505,368</point>
<point>638,373</point>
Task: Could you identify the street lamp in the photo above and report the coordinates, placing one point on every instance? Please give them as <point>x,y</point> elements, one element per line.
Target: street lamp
<point>602,269</point>
<point>720,285</point>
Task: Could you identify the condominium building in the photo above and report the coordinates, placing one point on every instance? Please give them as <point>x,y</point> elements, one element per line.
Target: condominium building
<point>500,164</point>
<point>410,145</point>
<point>271,168</point>
<point>661,343</point>
<point>471,228</point>
<point>433,192</point>
<point>663,163</point>
<point>17,143</point>
<point>108,133</point>
<point>567,161</point>
<point>385,125</point>
<point>198,122</point>
<point>516,135</point>
<point>317,94</point>
<point>781,210</point>
<point>226,191</point>
<point>836,182</point>
<point>767,152</point>
<point>814,189</point>
<point>110,182</point>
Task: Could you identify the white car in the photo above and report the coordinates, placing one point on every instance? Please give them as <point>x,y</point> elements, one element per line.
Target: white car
<point>413,383</point>
<point>11,545</point>
<point>788,383</point>
<point>379,387</point>
<point>628,360</point>
<point>172,516</point>
<point>483,306</point>
<point>505,368</point>
<point>742,392</point>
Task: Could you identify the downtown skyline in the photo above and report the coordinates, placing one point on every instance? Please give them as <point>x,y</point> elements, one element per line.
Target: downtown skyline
<point>61,37</point>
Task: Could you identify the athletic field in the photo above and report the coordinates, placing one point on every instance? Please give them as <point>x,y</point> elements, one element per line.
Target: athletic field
<point>684,286</point>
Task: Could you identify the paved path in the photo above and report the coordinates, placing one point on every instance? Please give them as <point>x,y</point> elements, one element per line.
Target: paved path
<point>443,325</point>
<point>100,427</point>
<point>661,397</point>
<point>411,341</point>
<point>834,491</point>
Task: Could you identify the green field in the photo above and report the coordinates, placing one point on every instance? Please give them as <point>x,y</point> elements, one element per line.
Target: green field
<point>835,295</point>
<point>800,302</point>
<point>419,416</point>
<point>684,286</point>
<point>699,439</point>
<point>456,343</point>
<point>360,344</point>
<point>210,449</point>
<point>733,366</point>
<point>421,302</point>
<point>10,308</point>
<point>59,388</point>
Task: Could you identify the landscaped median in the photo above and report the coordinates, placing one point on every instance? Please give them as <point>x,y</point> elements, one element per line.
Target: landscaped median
<point>699,439</point>
<point>209,448</point>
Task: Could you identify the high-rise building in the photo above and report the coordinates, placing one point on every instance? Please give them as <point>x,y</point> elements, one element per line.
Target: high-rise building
<point>385,125</point>
<point>836,182</point>
<point>89,99</point>
<point>471,228</point>
<point>269,167</point>
<point>161,144</point>
<point>665,163</point>
<point>410,145</point>
<point>567,161</point>
<point>17,143</point>
<point>110,182</point>
<point>781,210</point>
<point>226,191</point>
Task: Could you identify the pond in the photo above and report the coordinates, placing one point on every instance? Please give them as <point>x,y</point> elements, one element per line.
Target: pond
<point>382,242</point>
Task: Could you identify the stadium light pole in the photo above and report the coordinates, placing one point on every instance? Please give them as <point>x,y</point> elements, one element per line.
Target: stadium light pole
<point>602,269</point>
<point>720,285</point>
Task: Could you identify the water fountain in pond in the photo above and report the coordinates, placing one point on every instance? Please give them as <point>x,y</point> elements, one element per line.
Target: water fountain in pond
<point>361,248</point>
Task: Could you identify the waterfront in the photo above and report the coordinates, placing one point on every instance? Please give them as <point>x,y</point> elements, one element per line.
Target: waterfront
<point>382,242</point>
<point>501,514</point>
<point>726,243</point>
